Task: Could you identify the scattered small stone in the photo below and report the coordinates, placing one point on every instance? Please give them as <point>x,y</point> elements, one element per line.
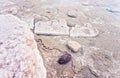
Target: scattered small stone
<point>64,58</point>
<point>113,10</point>
<point>74,46</point>
<point>71,23</point>
<point>72,14</point>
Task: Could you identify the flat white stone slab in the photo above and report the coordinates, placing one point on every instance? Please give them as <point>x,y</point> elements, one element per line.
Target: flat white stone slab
<point>84,31</point>
<point>53,27</point>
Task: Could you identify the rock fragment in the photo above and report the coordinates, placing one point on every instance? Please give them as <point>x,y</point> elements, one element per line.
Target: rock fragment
<point>74,46</point>
<point>72,22</point>
<point>72,13</point>
<point>113,10</point>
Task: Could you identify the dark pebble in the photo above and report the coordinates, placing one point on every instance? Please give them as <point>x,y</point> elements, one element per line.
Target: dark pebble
<point>72,16</point>
<point>64,58</point>
<point>1,43</point>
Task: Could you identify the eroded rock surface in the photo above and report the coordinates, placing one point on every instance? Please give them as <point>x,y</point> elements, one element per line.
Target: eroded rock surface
<point>19,56</point>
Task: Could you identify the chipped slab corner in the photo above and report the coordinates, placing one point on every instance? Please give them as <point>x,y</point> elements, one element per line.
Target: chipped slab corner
<point>19,56</point>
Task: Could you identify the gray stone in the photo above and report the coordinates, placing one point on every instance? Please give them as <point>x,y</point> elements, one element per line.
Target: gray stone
<point>72,22</point>
<point>72,13</point>
<point>19,56</point>
<point>53,27</point>
<point>113,10</point>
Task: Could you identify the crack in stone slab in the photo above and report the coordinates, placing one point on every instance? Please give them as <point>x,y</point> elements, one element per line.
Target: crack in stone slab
<point>33,26</point>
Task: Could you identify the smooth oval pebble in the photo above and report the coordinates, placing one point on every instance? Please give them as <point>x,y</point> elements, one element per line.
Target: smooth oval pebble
<point>64,58</point>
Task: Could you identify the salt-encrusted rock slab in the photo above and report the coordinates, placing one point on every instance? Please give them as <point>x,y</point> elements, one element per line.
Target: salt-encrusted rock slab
<point>53,27</point>
<point>7,7</point>
<point>19,56</point>
<point>84,31</point>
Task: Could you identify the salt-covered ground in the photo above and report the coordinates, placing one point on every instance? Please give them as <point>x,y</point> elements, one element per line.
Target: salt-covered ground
<point>93,24</point>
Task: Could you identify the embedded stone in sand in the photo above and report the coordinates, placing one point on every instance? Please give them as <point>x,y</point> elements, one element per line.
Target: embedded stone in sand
<point>74,46</point>
<point>64,58</point>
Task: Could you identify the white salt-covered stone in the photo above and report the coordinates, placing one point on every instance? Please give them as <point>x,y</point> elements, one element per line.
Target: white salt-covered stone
<point>84,31</point>
<point>53,27</point>
<point>19,56</point>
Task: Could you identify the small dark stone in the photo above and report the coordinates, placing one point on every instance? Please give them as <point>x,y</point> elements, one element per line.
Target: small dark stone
<point>72,16</point>
<point>1,43</point>
<point>64,58</point>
